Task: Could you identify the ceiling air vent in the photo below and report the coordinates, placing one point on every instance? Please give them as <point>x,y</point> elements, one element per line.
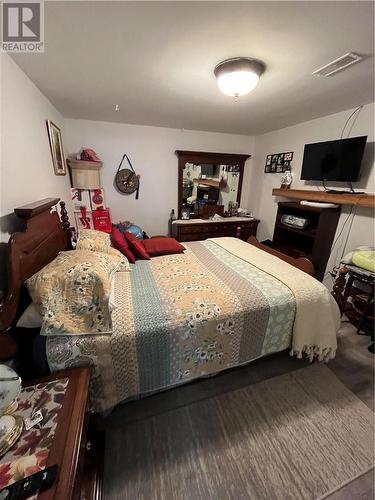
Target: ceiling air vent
<point>338,64</point>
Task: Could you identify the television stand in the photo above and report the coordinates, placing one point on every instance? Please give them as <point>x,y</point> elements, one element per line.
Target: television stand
<point>313,242</point>
<point>336,191</point>
<point>366,200</point>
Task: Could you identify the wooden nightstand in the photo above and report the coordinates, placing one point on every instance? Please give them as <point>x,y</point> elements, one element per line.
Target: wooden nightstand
<point>79,457</point>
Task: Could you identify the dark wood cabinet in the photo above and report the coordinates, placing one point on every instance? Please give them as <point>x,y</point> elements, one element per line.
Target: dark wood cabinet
<point>78,452</point>
<point>200,229</point>
<point>313,242</point>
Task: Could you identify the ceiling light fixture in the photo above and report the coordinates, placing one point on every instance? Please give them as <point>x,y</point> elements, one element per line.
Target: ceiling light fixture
<point>239,75</point>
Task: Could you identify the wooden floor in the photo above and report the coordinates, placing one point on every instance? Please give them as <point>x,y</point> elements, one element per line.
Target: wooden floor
<point>354,366</point>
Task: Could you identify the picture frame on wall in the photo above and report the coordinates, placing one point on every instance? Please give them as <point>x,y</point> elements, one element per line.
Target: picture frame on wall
<point>56,146</point>
<point>286,166</point>
<point>278,163</point>
<point>288,156</point>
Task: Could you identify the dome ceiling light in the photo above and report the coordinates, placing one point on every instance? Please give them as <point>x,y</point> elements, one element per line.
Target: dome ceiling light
<point>239,75</point>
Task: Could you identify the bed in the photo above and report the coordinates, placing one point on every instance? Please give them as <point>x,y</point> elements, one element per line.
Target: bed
<point>220,304</point>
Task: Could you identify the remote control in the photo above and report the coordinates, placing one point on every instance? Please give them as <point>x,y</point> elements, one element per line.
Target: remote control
<point>30,485</point>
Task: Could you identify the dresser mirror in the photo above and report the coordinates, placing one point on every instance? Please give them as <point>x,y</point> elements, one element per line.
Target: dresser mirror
<point>209,183</point>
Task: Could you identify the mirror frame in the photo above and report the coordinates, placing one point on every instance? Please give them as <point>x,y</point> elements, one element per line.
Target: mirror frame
<point>199,157</point>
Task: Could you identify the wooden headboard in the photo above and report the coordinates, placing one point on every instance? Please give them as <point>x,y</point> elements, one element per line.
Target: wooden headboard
<point>44,237</point>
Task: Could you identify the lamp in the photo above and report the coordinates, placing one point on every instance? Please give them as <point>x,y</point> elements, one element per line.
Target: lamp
<point>239,75</point>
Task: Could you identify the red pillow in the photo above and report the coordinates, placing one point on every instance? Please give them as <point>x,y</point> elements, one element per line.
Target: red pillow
<point>136,246</point>
<point>162,246</point>
<point>120,243</point>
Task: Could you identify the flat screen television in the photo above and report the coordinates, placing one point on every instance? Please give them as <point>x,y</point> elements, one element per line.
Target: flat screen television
<point>208,170</point>
<point>333,160</point>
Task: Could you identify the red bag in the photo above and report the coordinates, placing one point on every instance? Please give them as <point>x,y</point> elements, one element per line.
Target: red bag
<point>102,220</point>
<point>89,155</point>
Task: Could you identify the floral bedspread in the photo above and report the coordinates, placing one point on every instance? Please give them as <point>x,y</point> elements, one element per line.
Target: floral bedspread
<point>30,453</point>
<point>179,317</point>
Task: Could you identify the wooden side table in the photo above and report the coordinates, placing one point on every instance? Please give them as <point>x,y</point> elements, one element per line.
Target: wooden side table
<point>346,285</point>
<point>79,458</point>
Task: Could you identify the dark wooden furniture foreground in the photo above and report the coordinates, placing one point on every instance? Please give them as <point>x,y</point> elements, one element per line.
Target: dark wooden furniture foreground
<point>361,200</point>
<point>315,241</point>
<point>200,229</point>
<point>44,237</point>
<point>79,459</point>
<point>346,285</point>
<point>201,157</point>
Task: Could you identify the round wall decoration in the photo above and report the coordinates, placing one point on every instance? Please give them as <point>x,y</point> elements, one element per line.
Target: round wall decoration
<point>126,180</point>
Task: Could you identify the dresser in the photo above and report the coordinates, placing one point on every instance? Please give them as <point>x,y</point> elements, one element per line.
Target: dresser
<point>201,229</point>
<point>77,451</point>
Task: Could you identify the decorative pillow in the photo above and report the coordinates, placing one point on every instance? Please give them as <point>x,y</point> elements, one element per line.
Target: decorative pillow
<point>72,292</point>
<point>98,241</point>
<point>364,259</point>
<point>136,246</point>
<point>121,243</point>
<point>31,317</point>
<point>162,246</point>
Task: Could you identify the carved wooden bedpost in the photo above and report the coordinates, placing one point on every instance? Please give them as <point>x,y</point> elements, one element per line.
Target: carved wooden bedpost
<point>339,286</point>
<point>65,223</point>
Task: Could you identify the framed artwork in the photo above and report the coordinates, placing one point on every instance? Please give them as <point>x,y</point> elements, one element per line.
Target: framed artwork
<point>286,166</point>
<point>278,163</point>
<point>185,213</point>
<point>288,156</point>
<point>57,152</point>
<point>234,168</point>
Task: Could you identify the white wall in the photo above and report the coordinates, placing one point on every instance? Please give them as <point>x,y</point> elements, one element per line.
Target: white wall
<point>264,205</point>
<point>26,167</point>
<point>151,151</point>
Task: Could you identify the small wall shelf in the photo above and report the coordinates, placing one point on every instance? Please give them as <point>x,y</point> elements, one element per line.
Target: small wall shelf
<point>361,200</point>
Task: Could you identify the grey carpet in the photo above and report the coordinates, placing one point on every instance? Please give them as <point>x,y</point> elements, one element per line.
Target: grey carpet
<point>297,436</point>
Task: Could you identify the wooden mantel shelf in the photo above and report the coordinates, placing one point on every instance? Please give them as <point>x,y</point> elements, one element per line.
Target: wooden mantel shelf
<point>361,200</point>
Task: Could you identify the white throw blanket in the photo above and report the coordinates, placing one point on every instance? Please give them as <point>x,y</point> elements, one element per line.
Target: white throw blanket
<point>317,314</point>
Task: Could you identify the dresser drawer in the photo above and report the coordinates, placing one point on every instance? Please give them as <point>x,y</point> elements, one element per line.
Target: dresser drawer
<point>195,231</point>
<point>200,228</point>
<point>192,228</point>
<point>191,237</point>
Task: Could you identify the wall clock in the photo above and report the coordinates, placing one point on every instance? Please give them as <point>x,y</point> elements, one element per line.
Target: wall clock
<point>126,180</point>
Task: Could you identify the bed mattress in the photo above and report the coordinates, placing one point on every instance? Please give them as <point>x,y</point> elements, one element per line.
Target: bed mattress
<point>177,318</point>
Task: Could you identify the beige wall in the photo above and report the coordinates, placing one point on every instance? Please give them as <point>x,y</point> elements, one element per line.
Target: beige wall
<point>264,205</point>
<point>26,166</point>
<point>151,151</point>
